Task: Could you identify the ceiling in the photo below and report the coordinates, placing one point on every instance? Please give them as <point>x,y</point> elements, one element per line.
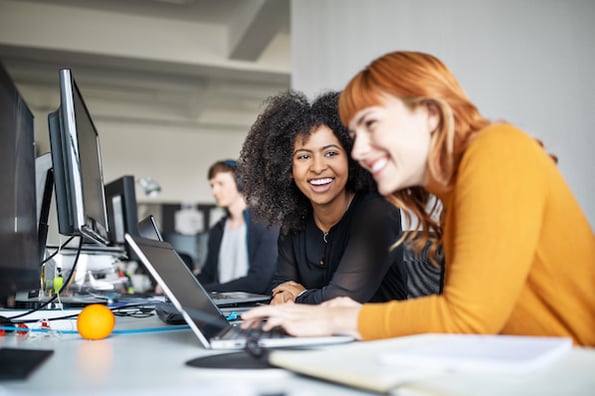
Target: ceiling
<point>198,64</point>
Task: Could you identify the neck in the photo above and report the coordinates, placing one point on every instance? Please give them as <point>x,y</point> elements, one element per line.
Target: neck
<point>326,216</point>
<point>236,212</point>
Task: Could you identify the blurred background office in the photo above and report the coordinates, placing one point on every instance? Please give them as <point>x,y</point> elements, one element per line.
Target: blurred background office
<point>173,85</point>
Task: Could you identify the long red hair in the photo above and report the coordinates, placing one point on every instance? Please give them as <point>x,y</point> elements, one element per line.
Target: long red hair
<point>419,79</point>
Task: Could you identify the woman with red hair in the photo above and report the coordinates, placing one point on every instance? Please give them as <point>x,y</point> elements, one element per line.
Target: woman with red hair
<point>519,251</point>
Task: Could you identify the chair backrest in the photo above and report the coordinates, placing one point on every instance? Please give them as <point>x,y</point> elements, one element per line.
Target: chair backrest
<point>424,278</point>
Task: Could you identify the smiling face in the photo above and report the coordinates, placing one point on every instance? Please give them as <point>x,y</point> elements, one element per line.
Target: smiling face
<point>392,142</point>
<point>320,166</point>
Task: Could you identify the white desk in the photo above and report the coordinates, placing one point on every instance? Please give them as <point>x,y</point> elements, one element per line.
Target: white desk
<point>154,363</point>
<point>148,364</point>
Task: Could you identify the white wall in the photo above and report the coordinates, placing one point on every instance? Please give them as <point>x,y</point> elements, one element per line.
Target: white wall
<point>165,95</point>
<point>529,62</point>
<point>176,157</point>
<point>178,160</point>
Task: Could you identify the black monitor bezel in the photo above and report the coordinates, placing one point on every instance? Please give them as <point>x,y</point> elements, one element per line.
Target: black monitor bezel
<point>19,265</point>
<point>74,217</point>
<point>122,189</point>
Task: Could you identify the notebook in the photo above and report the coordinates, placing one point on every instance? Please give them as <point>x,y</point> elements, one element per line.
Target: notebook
<point>198,308</point>
<point>147,228</point>
<point>384,366</point>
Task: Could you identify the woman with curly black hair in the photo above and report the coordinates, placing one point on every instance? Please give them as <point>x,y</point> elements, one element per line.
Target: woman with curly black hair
<point>336,229</point>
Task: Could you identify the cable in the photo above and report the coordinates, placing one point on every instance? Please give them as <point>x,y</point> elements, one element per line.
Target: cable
<point>123,331</point>
<point>51,256</point>
<point>70,316</point>
<point>74,315</point>
<point>67,283</point>
<point>141,311</point>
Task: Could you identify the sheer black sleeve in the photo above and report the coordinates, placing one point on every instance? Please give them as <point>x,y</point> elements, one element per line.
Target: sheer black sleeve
<point>287,267</point>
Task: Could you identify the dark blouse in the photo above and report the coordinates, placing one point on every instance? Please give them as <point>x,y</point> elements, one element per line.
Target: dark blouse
<point>355,261</point>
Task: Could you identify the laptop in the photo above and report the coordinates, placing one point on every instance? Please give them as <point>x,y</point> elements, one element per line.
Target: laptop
<point>147,228</point>
<point>198,308</point>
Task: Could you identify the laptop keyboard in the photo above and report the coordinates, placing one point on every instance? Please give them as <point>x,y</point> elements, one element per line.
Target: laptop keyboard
<point>221,296</point>
<point>254,333</point>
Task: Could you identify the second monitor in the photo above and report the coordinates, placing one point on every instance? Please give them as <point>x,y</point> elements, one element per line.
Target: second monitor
<point>78,172</point>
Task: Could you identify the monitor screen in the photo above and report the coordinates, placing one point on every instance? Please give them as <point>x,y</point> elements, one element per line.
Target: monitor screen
<point>122,209</point>
<point>19,260</point>
<point>78,171</point>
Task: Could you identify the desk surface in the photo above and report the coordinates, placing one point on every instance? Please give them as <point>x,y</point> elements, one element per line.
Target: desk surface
<point>151,363</point>
<point>147,363</point>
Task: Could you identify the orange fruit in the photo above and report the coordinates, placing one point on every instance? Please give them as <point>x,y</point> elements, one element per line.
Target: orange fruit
<point>95,322</point>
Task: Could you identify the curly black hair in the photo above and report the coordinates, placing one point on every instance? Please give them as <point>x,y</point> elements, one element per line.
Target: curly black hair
<point>266,157</point>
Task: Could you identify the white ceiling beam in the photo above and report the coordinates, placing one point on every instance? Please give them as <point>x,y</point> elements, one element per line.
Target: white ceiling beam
<point>255,26</point>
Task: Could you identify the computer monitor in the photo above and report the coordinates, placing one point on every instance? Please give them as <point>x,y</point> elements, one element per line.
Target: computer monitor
<point>44,188</point>
<point>19,260</point>
<point>78,171</point>
<point>122,209</point>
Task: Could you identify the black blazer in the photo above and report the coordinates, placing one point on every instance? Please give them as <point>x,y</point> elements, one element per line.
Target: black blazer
<point>262,258</point>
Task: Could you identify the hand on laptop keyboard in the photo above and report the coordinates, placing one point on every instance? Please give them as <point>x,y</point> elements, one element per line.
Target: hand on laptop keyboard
<point>256,333</point>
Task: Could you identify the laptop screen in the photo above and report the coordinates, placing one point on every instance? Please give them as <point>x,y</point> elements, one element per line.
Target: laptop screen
<point>147,228</point>
<point>180,284</point>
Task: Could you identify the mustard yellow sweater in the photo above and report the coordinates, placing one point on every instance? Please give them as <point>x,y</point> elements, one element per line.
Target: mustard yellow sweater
<point>520,253</point>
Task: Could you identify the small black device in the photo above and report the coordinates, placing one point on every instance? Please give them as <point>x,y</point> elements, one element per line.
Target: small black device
<point>19,363</point>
